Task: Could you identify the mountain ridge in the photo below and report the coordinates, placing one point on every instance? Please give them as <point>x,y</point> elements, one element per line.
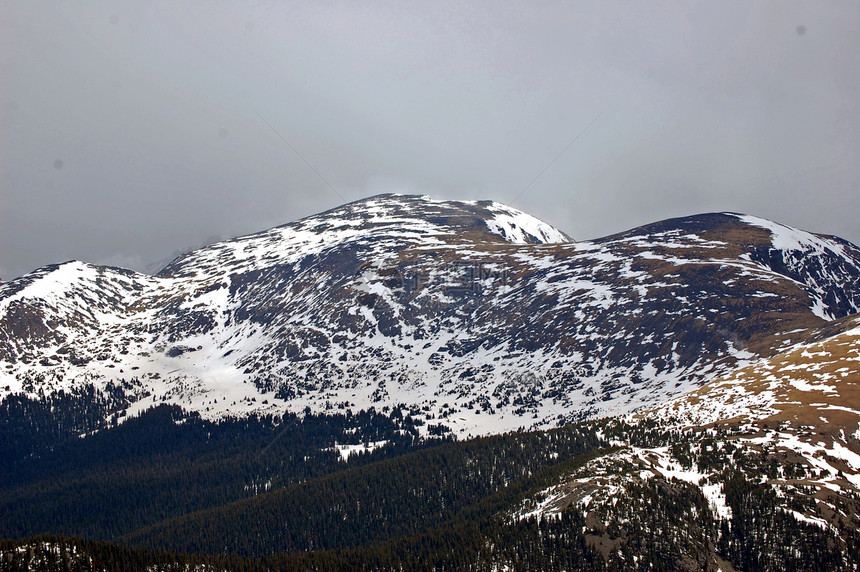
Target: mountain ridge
<point>475,315</point>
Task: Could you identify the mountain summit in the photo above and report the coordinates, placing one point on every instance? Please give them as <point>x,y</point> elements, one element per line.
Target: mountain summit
<point>405,218</point>
<point>471,315</point>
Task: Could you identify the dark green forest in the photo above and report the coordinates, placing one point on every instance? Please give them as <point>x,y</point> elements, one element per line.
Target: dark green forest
<point>168,490</point>
<point>164,463</point>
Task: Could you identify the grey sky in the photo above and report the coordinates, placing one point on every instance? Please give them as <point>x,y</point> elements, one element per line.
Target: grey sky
<point>129,130</point>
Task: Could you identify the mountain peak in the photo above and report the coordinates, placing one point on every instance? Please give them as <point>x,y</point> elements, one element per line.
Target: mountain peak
<point>392,209</point>
<point>384,222</point>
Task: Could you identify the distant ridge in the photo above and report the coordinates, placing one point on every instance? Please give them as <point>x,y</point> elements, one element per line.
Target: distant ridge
<point>474,315</point>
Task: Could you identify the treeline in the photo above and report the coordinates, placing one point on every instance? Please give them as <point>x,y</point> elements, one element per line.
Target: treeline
<point>166,463</point>
<point>174,492</point>
<point>660,525</point>
<point>476,538</point>
<point>30,426</point>
<point>378,502</point>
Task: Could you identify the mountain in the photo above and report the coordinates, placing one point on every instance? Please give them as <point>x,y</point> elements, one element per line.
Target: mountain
<point>301,399</point>
<point>471,315</point>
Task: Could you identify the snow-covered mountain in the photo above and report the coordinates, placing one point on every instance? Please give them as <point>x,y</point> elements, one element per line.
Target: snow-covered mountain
<point>470,314</point>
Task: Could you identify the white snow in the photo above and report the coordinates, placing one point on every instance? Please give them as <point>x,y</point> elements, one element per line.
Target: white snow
<point>521,228</point>
<point>789,239</point>
<point>662,463</point>
<point>347,450</point>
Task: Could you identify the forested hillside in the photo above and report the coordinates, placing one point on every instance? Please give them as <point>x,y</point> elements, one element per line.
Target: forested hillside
<point>168,462</point>
<point>395,514</point>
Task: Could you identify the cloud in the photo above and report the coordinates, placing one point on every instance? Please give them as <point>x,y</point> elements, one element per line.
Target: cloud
<point>134,128</point>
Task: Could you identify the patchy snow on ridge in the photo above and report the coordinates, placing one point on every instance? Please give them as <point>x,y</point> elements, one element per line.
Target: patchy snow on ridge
<point>820,376</point>
<point>601,479</point>
<point>816,261</point>
<point>791,239</point>
<point>521,228</point>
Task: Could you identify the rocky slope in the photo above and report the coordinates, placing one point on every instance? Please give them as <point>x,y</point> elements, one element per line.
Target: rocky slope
<point>775,444</point>
<point>470,314</point>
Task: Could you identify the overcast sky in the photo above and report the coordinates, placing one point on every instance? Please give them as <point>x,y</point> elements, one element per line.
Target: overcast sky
<point>131,130</point>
